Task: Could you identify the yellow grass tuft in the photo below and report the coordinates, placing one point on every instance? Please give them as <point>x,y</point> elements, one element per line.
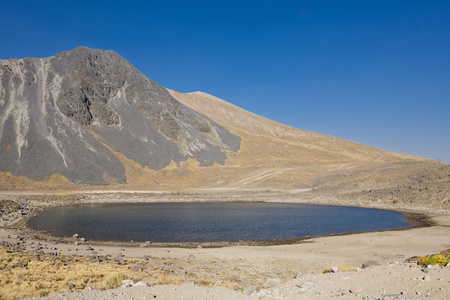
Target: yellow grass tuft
<point>115,280</point>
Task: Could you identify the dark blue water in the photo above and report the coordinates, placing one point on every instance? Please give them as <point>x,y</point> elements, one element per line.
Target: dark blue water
<point>201,222</point>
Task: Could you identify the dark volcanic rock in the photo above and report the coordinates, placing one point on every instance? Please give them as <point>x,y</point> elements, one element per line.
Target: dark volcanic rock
<point>63,114</point>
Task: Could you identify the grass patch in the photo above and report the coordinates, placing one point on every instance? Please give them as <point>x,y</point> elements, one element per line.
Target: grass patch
<point>115,280</point>
<point>169,280</point>
<point>26,274</point>
<point>204,282</point>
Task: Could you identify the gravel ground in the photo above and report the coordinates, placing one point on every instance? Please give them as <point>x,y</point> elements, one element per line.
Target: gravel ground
<point>391,281</point>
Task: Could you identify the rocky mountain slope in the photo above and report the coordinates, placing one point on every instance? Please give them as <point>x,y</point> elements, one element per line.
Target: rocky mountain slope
<point>73,114</point>
<point>88,117</point>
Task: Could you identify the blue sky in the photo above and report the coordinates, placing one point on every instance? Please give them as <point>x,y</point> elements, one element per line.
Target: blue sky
<point>373,72</point>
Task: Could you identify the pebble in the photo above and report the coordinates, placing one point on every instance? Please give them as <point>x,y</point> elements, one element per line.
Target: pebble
<point>334,269</point>
<point>306,285</point>
<point>356,289</point>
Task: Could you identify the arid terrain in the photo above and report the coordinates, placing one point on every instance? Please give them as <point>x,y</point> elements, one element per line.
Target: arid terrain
<point>39,264</point>
<point>124,138</point>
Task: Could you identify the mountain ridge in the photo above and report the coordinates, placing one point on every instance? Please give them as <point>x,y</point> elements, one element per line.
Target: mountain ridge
<point>84,99</point>
<point>200,143</point>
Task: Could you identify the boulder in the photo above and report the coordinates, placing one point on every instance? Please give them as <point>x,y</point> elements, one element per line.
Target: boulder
<point>271,282</point>
<point>127,283</point>
<point>370,263</point>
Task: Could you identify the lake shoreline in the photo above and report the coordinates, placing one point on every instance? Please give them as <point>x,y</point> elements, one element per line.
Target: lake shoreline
<point>246,267</point>
<point>417,218</point>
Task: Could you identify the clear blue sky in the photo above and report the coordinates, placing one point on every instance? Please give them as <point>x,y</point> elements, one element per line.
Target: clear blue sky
<point>374,72</point>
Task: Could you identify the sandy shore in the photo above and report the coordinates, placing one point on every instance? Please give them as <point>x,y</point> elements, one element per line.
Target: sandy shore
<point>283,263</point>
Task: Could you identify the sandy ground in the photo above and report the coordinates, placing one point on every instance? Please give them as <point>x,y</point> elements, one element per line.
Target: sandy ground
<point>283,263</point>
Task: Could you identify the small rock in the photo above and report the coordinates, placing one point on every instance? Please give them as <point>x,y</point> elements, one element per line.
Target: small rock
<point>71,286</point>
<point>120,261</point>
<point>88,248</point>
<point>83,240</point>
<point>249,290</point>
<point>140,283</point>
<point>136,268</point>
<point>101,258</point>
<point>370,263</point>
<point>127,283</point>
<point>299,275</point>
<point>191,256</point>
<point>356,290</point>
<point>334,269</point>
<point>306,285</point>
<point>427,278</point>
<point>271,282</point>
<point>235,279</point>
<point>75,235</point>
<point>426,270</point>
<point>146,244</point>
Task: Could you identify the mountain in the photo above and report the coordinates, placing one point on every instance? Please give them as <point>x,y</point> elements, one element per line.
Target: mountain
<point>88,117</point>
<point>73,113</point>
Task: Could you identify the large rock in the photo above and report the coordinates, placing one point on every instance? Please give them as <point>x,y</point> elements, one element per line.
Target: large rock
<point>66,115</point>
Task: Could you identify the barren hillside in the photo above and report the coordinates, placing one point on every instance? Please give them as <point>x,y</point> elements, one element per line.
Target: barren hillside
<point>88,119</point>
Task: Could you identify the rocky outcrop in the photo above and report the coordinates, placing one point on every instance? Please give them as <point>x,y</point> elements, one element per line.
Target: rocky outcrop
<point>68,114</point>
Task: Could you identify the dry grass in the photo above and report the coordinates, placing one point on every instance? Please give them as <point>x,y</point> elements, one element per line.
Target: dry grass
<point>115,280</point>
<point>204,282</point>
<point>26,274</point>
<point>169,280</point>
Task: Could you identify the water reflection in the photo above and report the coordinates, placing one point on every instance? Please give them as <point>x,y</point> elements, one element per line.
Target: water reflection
<point>201,222</point>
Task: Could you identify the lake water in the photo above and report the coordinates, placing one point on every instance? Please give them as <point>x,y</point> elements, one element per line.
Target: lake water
<point>211,222</point>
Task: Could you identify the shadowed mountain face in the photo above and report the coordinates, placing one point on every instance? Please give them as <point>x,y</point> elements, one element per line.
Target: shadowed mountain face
<point>71,113</point>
